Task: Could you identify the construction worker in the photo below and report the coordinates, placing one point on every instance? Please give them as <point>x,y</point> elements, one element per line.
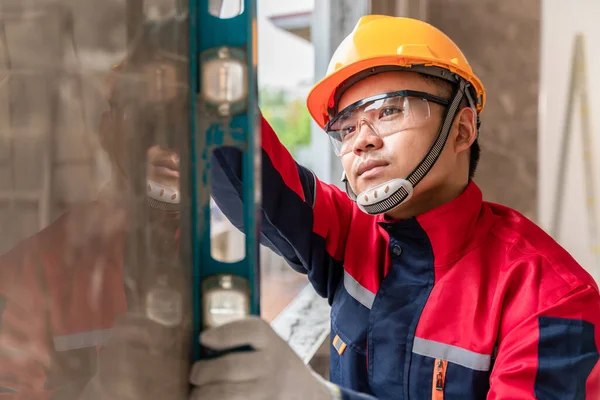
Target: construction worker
<point>434,293</point>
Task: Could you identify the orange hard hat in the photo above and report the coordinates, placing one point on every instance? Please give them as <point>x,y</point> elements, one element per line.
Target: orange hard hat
<point>384,41</point>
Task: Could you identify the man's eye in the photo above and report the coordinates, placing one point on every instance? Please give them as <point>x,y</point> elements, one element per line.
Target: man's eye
<point>347,131</point>
<point>389,111</point>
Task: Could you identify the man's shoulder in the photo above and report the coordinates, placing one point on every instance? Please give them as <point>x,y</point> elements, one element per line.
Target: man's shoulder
<point>531,253</point>
<point>81,226</point>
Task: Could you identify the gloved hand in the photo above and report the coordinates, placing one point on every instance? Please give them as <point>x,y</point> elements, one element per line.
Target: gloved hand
<point>272,371</point>
<point>134,365</point>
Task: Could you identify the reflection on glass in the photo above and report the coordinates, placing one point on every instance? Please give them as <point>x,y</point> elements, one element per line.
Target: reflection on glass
<point>94,273</point>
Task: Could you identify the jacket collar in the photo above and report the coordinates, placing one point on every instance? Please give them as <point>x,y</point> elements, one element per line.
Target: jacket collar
<point>452,228</point>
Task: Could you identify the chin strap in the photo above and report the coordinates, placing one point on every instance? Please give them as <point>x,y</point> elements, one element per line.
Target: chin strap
<point>163,197</point>
<point>389,195</point>
<point>385,196</point>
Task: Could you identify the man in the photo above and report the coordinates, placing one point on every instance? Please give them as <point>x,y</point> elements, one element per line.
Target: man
<point>434,293</point>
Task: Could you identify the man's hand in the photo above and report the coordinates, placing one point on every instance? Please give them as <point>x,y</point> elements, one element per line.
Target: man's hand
<point>135,365</point>
<point>272,371</point>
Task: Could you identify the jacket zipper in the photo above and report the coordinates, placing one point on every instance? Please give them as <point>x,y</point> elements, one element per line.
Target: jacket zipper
<point>439,379</point>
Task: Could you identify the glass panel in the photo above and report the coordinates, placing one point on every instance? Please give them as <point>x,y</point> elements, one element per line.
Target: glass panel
<point>94,245</point>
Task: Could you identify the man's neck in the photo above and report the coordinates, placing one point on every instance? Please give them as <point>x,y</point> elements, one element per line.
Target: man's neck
<point>428,200</point>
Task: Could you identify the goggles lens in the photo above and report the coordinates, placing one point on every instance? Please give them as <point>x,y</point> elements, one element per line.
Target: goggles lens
<point>385,114</point>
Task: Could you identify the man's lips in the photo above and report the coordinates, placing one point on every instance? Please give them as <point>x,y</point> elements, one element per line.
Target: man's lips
<point>167,167</point>
<point>370,165</point>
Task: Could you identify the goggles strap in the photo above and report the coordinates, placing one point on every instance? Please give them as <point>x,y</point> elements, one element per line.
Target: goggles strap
<point>162,197</point>
<point>436,149</point>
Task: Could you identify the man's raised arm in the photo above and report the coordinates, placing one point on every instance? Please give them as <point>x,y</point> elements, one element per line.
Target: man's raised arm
<point>303,219</point>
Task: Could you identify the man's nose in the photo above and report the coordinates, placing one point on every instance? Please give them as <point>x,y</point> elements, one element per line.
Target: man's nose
<point>367,138</point>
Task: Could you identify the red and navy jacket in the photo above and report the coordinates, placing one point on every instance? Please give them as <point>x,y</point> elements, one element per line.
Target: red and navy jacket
<point>470,300</point>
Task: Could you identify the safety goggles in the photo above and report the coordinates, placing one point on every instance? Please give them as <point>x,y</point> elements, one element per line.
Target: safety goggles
<point>152,124</point>
<point>385,114</point>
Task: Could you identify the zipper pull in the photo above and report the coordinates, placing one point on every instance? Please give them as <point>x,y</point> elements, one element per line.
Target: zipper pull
<point>439,382</point>
<point>439,377</point>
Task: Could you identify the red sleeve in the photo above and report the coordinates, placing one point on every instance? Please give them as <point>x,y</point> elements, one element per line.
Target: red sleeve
<point>332,208</point>
<point>24,339</point>
<point>553,354</point>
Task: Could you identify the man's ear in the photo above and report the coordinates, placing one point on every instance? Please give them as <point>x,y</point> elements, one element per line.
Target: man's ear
<point>466,125</point>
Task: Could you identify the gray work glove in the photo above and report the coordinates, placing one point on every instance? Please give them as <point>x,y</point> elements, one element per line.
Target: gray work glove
<point>272,371</point>
<point>133,364</point>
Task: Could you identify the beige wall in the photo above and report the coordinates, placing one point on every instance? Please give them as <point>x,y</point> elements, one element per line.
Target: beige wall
<point>557,50</point>
<point>501,40</point>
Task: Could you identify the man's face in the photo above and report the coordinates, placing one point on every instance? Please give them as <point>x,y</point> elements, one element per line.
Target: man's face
<point>132,143</point>
<point>147,122</point>
<point>163,166</point>
<point>374,159</point>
